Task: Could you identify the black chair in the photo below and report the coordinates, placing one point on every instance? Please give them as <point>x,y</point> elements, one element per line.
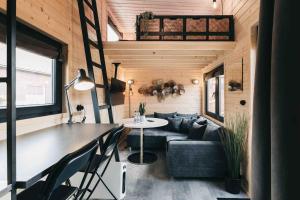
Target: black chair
<point>52,188</point>
<point>107,149</point>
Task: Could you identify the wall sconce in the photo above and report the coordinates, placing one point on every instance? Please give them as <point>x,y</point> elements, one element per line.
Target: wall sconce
<point>195,81</point>
<point>130,83</point>
<point>235,85</point>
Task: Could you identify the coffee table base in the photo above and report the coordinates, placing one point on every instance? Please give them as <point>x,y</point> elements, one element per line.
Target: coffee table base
<point>147,159</point>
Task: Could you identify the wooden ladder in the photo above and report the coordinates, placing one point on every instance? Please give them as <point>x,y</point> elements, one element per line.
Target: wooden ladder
<point>88,44</point>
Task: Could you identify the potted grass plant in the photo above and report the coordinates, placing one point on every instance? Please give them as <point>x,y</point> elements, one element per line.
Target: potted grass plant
<point>234,138</point>
<point>142,111</point>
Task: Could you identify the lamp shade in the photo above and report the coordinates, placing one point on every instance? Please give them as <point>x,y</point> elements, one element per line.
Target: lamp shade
<point>83,82</point>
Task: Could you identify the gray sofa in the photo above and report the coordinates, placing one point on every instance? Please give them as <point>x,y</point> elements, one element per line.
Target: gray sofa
<point>186,158</point>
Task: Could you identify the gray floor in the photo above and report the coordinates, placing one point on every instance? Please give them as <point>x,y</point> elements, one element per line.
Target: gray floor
<point>151,182</point>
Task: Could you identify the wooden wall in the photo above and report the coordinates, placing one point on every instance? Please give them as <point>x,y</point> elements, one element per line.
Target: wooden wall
<point>188,103</point>
<point>246,14</point>
<point>59,20</point>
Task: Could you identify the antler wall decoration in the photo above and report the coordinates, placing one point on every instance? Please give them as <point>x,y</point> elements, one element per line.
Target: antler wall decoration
<point>162,89</point>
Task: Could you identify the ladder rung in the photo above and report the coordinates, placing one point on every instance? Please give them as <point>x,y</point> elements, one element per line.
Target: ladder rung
<point>3,79</point>
<point>94,44</point>
<point>90,22</point>
<point>97,65</point>
<point>89,4</point>
<point>104,107</point>
<point>100,86</point>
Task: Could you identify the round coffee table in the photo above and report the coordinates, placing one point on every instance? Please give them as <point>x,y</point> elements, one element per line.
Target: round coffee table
<point>143,157</point>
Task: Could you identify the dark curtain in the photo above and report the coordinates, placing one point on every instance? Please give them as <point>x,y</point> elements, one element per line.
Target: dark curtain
<point>276,114</point>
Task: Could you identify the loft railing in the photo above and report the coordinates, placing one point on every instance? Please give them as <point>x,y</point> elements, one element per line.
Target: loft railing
<point>186,28</point>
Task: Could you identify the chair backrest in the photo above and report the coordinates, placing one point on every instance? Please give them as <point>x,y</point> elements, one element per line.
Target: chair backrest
<point>68,166</point>
<point>112,141</point>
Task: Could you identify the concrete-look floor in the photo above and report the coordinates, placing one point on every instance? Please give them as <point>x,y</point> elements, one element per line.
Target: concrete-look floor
<point>151,182</point>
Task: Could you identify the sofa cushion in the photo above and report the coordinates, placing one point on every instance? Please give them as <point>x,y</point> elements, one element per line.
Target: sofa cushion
<point>196,132</point>
<point>164,115</point>
<point>212,132</point>
<point>176,137</point>
<point>201,121</point>
<point>174,124</point>
<point>154,138</point>
<point>154,132</point>
<point>189,116</point>
<point>186,124</point>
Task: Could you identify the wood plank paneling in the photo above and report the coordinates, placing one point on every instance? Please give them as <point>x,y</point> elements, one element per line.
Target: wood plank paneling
<point>60,20</point>
<point>126,10</point>
<point>187,103</point>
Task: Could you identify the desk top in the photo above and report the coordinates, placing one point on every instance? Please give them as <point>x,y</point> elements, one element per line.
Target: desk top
<point>38,151</point>
<point>149,123</point>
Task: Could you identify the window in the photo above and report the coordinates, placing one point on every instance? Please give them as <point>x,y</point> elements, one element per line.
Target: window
<point>38,73</point>
<point>214,93</point>
<point>113,33</point>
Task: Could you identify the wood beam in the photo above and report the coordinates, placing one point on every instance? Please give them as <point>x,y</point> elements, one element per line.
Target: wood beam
<point>160,61</point>
<point>169,45</point>
<point>164,65</point>
<point>168,57</point>
<point>176,52</point>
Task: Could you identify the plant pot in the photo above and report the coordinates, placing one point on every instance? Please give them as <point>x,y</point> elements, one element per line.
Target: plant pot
<point>142,118</point>
<point>233,185</point>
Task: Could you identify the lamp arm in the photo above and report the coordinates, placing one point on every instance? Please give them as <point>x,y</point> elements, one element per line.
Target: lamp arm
<point>67,87</point>
<point>69,107</point>
<point>70,84</point>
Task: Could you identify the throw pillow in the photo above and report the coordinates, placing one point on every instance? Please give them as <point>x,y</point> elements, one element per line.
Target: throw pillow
<point>212,133</point>
<point>174,124</point>
<point>164,115</point>
<point>196,131</point>
<point>191,116</point>
<point>201,122</point>
<point>186,124</point>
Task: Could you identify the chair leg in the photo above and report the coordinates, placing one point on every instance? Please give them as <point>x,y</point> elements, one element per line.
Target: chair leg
<point>95,186</point>
<point>116,153</point>
<point>99,176</point>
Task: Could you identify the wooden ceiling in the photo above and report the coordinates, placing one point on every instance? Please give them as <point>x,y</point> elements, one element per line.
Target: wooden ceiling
<point>140,54</point>
<point>125,11</point>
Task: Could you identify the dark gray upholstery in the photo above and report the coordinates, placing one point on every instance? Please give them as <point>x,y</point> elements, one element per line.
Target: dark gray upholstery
<point>185,157</point>
<point>194,159</point>
<point>212,132</point>
<point>154,138</point>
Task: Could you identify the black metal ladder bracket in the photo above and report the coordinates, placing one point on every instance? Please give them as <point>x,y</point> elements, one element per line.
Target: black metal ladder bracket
<point>88,43</point>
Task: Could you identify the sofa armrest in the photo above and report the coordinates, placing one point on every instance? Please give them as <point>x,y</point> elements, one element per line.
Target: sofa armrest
<point>188,158</point>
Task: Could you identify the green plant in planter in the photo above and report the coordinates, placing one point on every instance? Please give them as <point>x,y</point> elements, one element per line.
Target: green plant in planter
<point>234,139</point>
<point>142,109</point>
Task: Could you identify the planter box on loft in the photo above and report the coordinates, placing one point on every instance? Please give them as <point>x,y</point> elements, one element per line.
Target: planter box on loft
<point>186,28</point>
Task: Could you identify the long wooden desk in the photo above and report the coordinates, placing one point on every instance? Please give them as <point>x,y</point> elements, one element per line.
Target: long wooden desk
<point>39,150</point>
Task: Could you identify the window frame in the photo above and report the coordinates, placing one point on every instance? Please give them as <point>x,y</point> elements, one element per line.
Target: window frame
<point>40,110</point>
<point>215,73</point>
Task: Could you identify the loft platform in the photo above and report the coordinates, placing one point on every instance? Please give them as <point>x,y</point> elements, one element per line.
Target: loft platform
<point>188,54</point>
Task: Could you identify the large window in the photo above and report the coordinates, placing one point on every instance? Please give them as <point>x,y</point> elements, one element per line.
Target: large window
<point>214,93</point>
<point>113,33</point>
<point>38,73</point>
